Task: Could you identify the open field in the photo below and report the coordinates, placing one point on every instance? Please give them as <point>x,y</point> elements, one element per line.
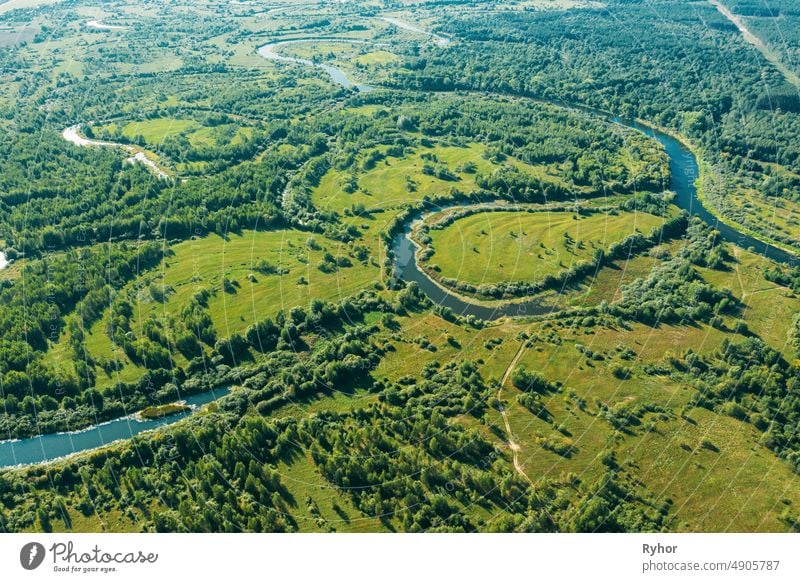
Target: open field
<point>406,180</point>
<point>661,451</point>
<point>155,130</point>
<point>777,219</point>
<point>495,247</point>
<point>203,264</point>
<point>389,183</point>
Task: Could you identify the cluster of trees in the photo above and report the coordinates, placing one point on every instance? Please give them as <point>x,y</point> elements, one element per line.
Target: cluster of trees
<point>89,196</point>
<point>674,292</point>
<point>587,151</point>
<point>752,382</point>
<point>753,8</point>
<point>521,186</point>
<point>63,294</point>
<point>788,276</point>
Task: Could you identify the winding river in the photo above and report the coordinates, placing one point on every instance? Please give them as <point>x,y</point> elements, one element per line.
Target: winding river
<point>102,26</point>
<point>437,38</point>
<point>684,171</point>
<point>73,136</point>
<point>270,52</point>
<point>48,447</point>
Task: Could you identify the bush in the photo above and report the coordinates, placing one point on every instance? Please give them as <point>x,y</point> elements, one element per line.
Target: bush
<point>735,410</point>
<point>621,372</point>
<point>529,381</point>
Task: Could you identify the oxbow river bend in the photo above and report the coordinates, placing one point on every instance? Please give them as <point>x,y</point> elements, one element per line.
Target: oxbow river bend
<point>271,52</point>
<point>684,171</point>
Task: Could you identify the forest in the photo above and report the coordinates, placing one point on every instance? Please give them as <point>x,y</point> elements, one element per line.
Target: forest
<point>180,213</point>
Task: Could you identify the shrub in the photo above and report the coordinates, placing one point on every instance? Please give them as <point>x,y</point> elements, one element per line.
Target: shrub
<point>529,381</point>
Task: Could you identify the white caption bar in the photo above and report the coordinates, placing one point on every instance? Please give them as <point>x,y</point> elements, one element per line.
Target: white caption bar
<point>350,557</point>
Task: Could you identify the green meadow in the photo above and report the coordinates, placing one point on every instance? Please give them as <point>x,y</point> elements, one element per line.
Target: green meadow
<point>495,247</point>
<point>155,131</point>
<point>395,181</point>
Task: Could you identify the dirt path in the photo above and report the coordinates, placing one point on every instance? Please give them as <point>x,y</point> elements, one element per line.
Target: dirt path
<point>745,294</point>
<point>515,448</point>
<point>757,43</point>
<point>738,272</point>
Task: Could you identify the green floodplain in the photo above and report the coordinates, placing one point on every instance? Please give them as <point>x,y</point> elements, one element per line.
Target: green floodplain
<point>251,245</point>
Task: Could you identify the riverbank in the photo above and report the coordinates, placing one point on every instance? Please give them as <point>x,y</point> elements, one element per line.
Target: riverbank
<point>73,136</point>
<point>270,52</point>
<point>702,196</point>
<point>440,40</point>
<point>50,447</point>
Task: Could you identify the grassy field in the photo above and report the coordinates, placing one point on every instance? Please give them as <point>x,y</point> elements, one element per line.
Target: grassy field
<point>386,184</point>
<point>663,450</point>
<point>155,131</point>
<point>494,247</point>
<point>739,487</point>
<point>326,51</point>
<point>400,181</point>
<point>777,219</point>
<point>766,304</point>
<point>226,134</point>
<point>379,57</point>
<point>205,262</point>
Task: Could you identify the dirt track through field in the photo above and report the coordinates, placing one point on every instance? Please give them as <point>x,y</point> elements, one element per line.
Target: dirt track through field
<point>512,444</point>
